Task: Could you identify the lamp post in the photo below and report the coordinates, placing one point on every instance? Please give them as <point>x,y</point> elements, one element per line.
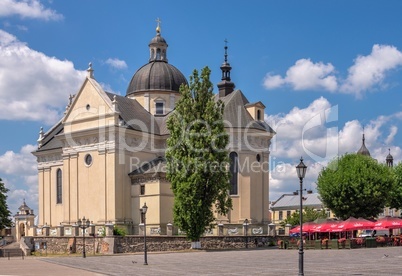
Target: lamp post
<point>143,211</point>
<point>83,224</point>
<point>301,173</point>
<point>245,224</point>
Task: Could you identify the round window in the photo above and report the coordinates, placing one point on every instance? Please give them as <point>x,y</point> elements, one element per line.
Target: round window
<point>88,159</point>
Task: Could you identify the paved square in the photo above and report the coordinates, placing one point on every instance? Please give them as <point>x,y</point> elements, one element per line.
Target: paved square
<point>367,261</point>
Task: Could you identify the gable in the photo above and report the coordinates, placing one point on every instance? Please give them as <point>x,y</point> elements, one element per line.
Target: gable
<point>88,107</point>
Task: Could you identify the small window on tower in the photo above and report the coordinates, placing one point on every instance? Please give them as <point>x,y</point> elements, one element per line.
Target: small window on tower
<point>158,54</point>
<point>159,108</point>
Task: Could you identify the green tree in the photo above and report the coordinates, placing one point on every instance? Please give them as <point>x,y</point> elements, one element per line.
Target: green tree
<point>5,214</point>
<point>197,158</point>
<point>395,200</point>
<point>309,214</point>
<point>355,185</point>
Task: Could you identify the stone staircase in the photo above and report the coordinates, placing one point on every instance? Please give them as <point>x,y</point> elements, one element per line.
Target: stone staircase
<point>11,250</point>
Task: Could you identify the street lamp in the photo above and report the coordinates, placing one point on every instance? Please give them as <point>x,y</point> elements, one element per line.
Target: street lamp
<point>143,211</point>
<point>83,224</point>
<point>245,224</point>
<point>301,173</point>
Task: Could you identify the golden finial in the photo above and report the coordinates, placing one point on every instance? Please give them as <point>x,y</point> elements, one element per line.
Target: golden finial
<point>158,28</point>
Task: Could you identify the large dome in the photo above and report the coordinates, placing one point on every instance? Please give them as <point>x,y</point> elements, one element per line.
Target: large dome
<point>158,74</point>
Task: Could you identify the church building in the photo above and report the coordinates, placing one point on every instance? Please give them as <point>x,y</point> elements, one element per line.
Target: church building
<point>105,157</point>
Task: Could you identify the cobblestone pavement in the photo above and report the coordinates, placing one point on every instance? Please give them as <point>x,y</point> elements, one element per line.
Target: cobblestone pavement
<point>367,261</point>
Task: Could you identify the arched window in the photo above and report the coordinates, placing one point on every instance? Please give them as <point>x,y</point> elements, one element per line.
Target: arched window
<point>59,187</point>
<point>158,54</point>
<point>234,170</point>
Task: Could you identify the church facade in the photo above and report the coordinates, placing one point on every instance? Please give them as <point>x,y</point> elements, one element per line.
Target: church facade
<point>105,158</point>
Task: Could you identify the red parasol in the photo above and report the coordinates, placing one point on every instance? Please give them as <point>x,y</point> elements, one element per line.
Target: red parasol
<point>307,227</point>
<point>328,226</point>
<point>388,223</point>
<point>355,224</point>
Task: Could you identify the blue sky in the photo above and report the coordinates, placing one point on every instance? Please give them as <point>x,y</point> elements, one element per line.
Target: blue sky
<point>324,70</point>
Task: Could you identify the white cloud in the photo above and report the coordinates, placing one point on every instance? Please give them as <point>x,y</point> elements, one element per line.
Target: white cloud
<point>367,73</point>
<point>21,178</point>
<point>287,143</point>
<point>27,9</point>
<point>116,63</point>
<point>34,86</point>
<point>273,81</point>
<point>283,178</point>
<point>392,132</point>
<point>21,163</point>
<point>290,142</point>
<point>305,75</point>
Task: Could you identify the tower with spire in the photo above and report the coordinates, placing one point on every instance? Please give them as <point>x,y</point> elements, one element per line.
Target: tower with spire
<point>363,149</point>
<point>225,86</point>
<point>389,159</point>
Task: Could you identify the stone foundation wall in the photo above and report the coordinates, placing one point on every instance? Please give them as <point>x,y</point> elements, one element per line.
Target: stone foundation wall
<point>133,244</point>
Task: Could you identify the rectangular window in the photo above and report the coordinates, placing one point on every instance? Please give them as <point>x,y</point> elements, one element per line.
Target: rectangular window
<point>234,171</point>
<point>59,187</point>
<point>280,215</point>
<point>159,108</point>
<point>287,214</point>
<point>142,189</point>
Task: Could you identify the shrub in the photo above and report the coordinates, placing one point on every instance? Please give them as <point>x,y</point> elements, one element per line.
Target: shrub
<point>117,231</point>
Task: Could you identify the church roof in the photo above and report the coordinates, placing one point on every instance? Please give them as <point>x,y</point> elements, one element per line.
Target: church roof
<point>158,74</point>
<point>363,150</point>
<point>151,166</point>
<point>235,114</point>
<point>132,112</point>
<point>292,201</point>
<point>24,210</point>
<point>389,156</point>
<point>48,142</point>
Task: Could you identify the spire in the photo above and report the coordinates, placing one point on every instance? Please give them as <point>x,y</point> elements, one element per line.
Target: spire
<point>158,27</point>
<point>363,150</point>
<point>225,86</point>
<point>158,46</point>
<point>389,159</point>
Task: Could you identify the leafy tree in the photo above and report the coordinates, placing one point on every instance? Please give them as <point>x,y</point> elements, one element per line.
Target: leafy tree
<point>395,200</point>
<point>355,185</point>
<point>197,158</point>
<point>5,214</point>
<point>309,214</point>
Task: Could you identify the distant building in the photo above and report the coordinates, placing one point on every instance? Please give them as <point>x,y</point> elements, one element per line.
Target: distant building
<point>287,204</point>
